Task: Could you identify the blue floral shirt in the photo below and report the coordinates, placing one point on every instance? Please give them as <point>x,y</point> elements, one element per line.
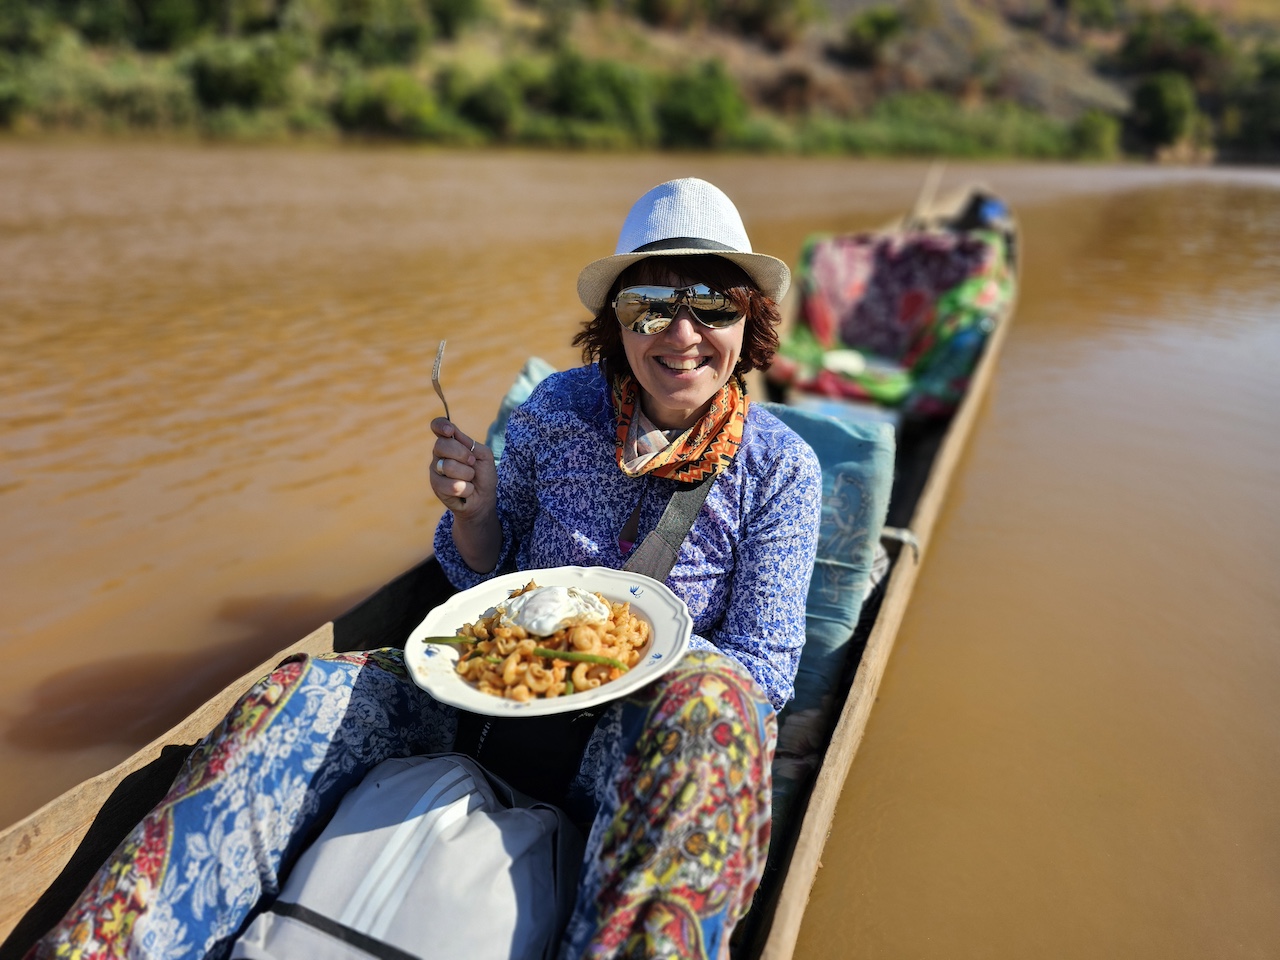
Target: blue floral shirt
<point>743,570</point>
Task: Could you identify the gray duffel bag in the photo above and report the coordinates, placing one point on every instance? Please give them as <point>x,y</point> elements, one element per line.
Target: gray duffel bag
<point>427,857</point>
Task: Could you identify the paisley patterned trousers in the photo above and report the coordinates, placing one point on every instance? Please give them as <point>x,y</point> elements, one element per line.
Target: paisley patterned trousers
<point>675,779</point>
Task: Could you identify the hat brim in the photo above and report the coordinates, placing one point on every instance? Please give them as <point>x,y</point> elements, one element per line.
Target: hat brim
<point>771,276</point>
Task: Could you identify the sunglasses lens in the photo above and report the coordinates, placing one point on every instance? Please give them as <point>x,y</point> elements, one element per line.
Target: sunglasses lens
<point>711,307</point>
<point>650,310</point>
<point>645,310</point>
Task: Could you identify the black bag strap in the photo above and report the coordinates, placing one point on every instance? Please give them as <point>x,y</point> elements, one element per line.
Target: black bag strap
<point>657,553</point>
<point>340,931</point>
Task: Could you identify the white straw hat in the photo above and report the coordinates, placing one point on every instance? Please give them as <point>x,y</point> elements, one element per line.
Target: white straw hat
<point>678,218</point>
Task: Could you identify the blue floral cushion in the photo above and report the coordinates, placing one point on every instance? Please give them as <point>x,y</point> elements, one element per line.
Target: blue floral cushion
<point>857,475</point>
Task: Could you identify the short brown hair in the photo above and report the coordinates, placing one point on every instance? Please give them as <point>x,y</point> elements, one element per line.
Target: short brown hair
<point>601,336</point>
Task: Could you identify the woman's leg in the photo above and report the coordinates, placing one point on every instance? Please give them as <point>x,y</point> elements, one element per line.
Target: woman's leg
<point>247,799</point>
<point>680,835</point>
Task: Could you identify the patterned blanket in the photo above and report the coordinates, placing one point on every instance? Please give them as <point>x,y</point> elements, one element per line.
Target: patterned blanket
<point>895,319</point>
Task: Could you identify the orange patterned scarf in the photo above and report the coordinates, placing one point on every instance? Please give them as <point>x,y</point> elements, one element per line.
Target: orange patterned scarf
<point>704,450</point>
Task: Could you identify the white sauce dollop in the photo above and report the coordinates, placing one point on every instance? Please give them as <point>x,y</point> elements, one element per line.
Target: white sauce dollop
<point>544,610</point>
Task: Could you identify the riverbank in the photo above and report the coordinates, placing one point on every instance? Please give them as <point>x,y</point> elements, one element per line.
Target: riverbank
<point>874,78</point>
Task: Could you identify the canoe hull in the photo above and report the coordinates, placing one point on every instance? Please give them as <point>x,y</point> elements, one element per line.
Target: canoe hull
<point>48,858</point>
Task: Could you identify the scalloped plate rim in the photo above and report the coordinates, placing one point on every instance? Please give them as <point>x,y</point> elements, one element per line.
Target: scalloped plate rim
<point>432,665</point>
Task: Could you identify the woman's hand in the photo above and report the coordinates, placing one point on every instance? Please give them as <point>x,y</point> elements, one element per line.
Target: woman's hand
<point>465,479</point>
<point>463,475</point>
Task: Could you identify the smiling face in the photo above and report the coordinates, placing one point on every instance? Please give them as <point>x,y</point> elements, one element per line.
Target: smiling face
<point>680,369</point>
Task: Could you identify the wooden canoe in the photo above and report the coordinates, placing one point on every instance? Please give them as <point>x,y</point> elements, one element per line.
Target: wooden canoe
<point>47,858</point>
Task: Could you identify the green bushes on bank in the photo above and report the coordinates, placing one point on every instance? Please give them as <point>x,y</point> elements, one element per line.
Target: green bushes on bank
<point>576,101</point>
<point>260,86</point>
<point>69,88</point>
<point>379,32</point>
<point>1175,40</point>
<point>249,73</point>
<point>1096,14</point>
<point>496,105</point>
<point>1195,88</point>
<point>867,32</point>
<point>931,124</point>
<point>600,96</point>
<point>451,17</point>
<point>1251,121</point>
<point>388,102</point>
<point>265,68</point>
<point>1096,136</point>
<point>776,22</point>
<point>391,69</point>
<point>701,107</point>
<point>1164,108</point>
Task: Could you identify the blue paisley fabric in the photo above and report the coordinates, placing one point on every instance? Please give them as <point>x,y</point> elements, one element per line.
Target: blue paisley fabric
<point>679,820</point>
<point>744,568</point>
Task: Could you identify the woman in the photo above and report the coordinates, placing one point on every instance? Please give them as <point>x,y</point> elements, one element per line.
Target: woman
<point>675,779</point>
<point>682,311</point>
<point>593,457</point>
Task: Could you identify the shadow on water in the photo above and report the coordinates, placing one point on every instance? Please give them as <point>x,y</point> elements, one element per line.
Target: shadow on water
<point>142,695</point>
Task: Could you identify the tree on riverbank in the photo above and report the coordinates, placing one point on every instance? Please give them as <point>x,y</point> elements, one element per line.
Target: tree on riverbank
<point>1037,78</point>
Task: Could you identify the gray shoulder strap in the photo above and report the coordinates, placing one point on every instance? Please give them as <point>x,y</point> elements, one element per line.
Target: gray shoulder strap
<point>657,554</point>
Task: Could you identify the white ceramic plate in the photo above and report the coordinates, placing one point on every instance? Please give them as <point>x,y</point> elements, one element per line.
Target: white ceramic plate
<point>432,664</point>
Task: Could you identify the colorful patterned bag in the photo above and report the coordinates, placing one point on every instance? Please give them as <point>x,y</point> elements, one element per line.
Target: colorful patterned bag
<point>896,319</point>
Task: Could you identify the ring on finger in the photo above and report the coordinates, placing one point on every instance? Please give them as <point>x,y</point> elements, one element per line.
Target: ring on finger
<point>473,447</point>
<point>440,466</point>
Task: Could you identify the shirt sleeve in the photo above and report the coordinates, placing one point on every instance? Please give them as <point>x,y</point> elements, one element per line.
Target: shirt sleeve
<point>764,625</point>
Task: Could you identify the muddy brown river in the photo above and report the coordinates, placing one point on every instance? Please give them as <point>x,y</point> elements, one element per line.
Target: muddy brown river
<point>214,407</point>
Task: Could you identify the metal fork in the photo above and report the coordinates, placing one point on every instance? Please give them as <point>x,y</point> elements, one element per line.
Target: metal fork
<point>435,380</point>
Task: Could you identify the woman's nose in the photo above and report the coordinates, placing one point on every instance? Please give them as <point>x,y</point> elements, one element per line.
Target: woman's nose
<point>684,328</point>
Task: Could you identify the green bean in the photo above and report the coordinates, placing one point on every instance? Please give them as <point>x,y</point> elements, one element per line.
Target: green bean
<point>568,687</point>
<point>580,657</point>
<point>454,640</point>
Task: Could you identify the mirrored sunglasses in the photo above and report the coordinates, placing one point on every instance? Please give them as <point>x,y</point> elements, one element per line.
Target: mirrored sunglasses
<point>649,310</point>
